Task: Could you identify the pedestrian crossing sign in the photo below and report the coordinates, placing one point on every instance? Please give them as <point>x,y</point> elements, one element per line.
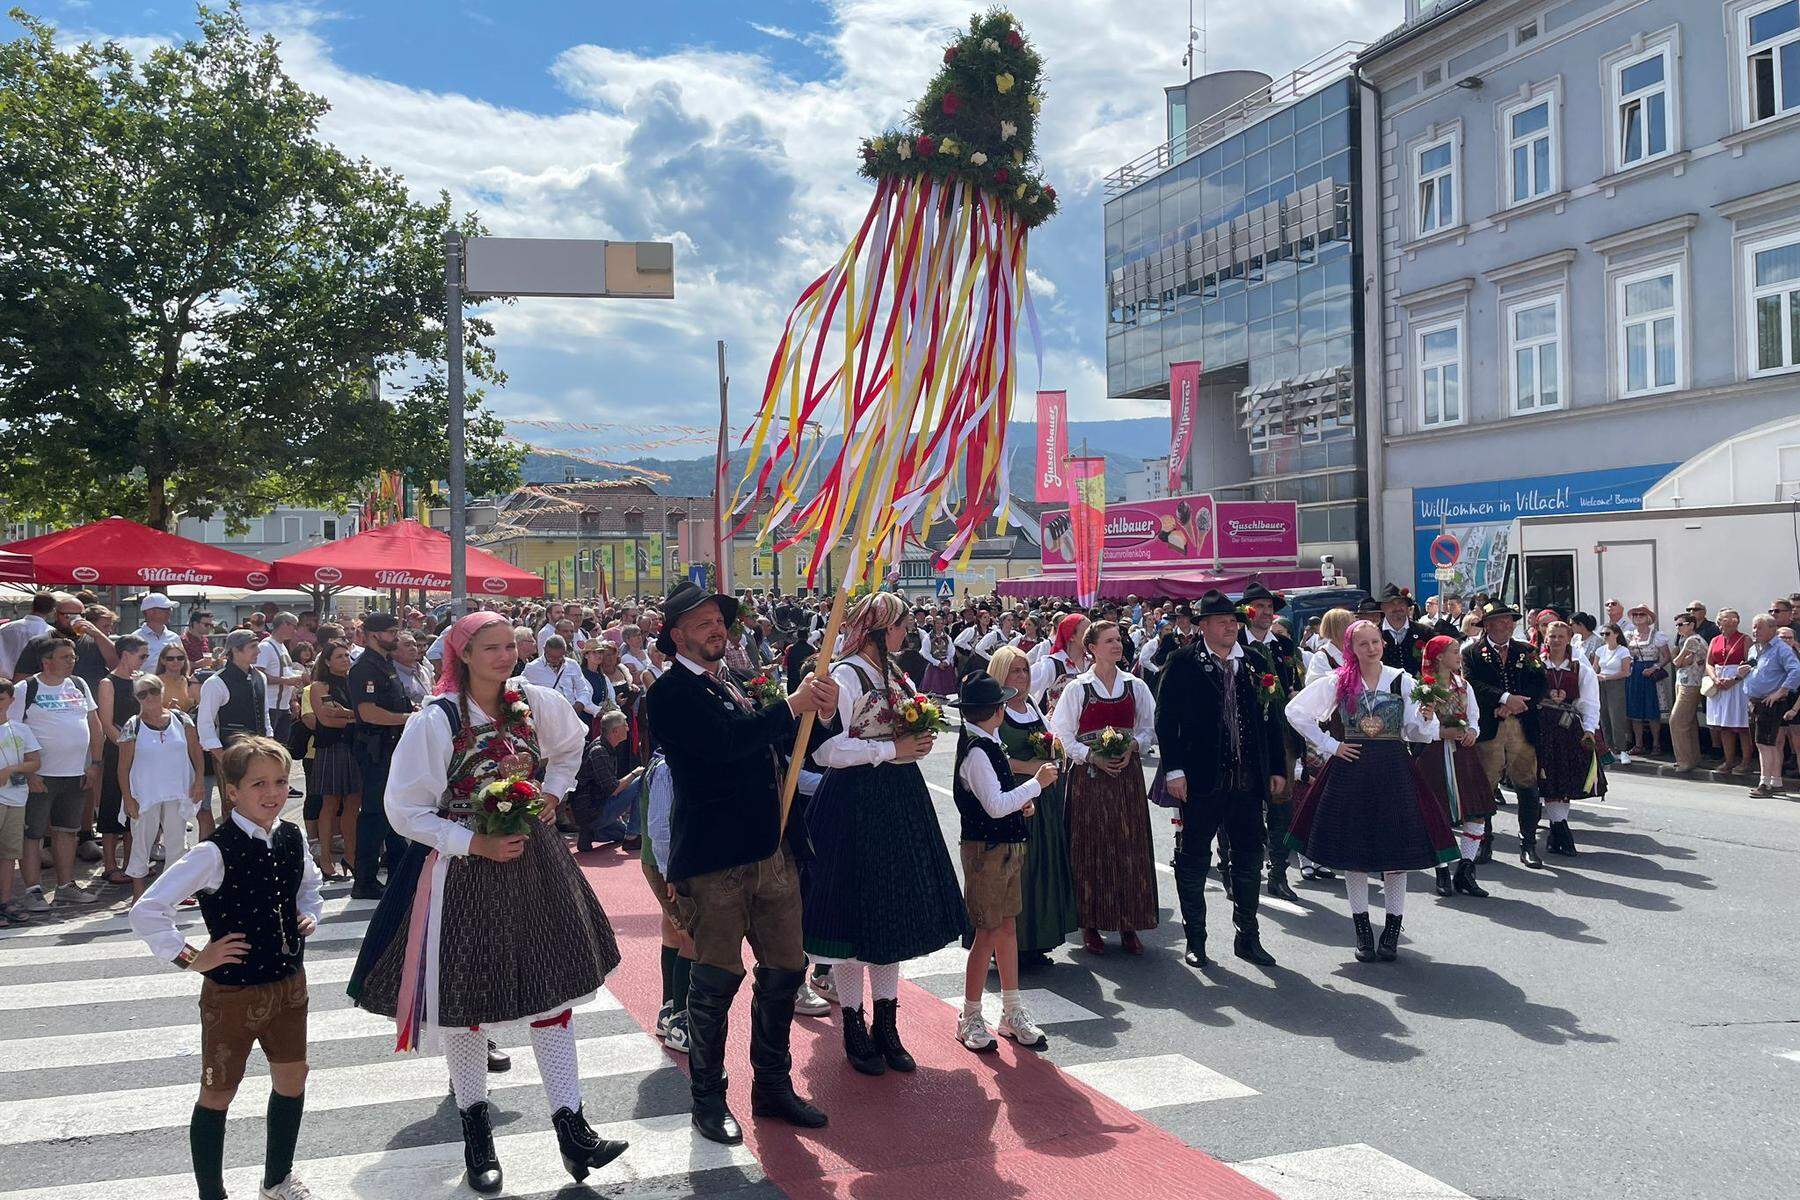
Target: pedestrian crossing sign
<point>944,588</point>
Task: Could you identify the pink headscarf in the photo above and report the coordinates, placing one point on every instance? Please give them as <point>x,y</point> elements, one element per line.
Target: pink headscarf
<point>1349,676</point>
<point>453,672</point>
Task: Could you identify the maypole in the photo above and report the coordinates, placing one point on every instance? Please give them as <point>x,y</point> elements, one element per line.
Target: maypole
<point>910,334</point>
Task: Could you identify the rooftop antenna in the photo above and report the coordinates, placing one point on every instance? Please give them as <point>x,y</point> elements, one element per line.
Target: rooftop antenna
<point>1196,34</point>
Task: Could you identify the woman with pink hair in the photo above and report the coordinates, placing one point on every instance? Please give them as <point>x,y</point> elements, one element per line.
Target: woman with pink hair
<point>1369,811</point>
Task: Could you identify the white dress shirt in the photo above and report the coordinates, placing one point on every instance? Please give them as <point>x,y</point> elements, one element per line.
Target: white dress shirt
<point>842,750</point>
<point>213,696</point>
<point>1065,721</point>
<point>202,869</point>
<point>567,680</point>
<point>977,774</point>
<point>1308,711</point>
<point>1587,696</point>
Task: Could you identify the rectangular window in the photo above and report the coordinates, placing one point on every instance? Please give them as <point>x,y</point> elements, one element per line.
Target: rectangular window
<point>1440,375</point>
<point>1641,117</point>
<point>1649,305</point>
<point>1531,150</point>
<point>1773,269</point>
<point>328,528</point>
<point>1527,32</point>
<point>1534,331</point>
<point>1435,168</point>
<point>1772,66</point>
<point>290,529</point>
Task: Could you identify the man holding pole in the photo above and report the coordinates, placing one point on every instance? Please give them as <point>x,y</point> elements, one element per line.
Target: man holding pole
<point>731,873</point>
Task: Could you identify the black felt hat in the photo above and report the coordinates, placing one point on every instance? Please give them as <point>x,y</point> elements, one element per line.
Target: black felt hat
<point>686,597</point>
<point>1256,591</point>
<point>978,689</point>
<point>1215,604</point>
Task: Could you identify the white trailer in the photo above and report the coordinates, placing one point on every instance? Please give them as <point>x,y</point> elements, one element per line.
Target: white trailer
<point>1725,556</point>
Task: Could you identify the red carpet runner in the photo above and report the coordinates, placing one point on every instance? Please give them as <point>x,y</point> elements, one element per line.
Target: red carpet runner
<point>1000,1126</point>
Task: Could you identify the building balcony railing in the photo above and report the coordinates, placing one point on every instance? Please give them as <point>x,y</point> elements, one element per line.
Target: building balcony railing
<point>1311,76</point>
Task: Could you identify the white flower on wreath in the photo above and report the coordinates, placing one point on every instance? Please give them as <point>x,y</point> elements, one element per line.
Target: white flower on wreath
<point>904,149</point>
<point>978,158</point>
<point>990,45</point>
<point>1008,131</point>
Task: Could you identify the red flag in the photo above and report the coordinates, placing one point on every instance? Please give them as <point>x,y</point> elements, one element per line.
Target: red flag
<point>1184,398</point>
<point>1087,525</point>
<point>1052,445</point>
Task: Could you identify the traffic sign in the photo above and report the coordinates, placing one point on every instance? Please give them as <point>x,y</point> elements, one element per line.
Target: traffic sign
<point>1446,574</point>
<point>944,587</point>
<point>1445,548</point>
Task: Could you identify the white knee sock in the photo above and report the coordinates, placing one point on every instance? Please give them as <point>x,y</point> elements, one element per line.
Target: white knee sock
<point>1356,888</point>
<point>848,975</point>
<point>884,981</point>
<point>1470,841</point>
<point>465,1050</point>
<point>1556,810</point>
<point>1393,893</point>
<point>554,1048</point>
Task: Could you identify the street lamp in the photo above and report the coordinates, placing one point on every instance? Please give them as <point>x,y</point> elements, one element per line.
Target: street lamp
<point>590,525</point>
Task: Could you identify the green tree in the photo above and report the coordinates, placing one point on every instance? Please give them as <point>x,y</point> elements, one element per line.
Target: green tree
<point>196,291</point>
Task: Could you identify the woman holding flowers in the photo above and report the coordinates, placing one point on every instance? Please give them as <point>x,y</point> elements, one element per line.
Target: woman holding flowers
<point>1048,913</point>
<point>1569,765</point>
<point>881,888</point>
<point>488,920</point>
<point>1451,766</point>
<point>1369,810</point>
<point>1106,720</point>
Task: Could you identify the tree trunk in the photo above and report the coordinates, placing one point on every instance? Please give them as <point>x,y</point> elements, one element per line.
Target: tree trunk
<point>156,502</point>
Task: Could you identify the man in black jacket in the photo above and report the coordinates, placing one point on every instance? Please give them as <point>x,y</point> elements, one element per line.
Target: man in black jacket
<point>1405,638</point>
<point>1508,678</point>
<point>1222,758</point>
<point>731,874</point>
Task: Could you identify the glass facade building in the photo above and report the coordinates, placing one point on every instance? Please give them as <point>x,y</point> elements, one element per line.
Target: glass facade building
<point>1234,245</point>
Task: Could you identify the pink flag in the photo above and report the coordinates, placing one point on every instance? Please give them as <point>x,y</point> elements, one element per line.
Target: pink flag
<point>1052,445</point>
<point>1184,397</point>
<point>1087,525</point>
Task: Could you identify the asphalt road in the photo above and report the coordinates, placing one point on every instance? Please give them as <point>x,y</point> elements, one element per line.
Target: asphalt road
<point>1614,1026</point>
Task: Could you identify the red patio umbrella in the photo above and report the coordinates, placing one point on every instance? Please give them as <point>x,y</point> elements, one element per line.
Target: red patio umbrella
<point>405,554</point>
<point>121,551</point>
<point>15,568</point>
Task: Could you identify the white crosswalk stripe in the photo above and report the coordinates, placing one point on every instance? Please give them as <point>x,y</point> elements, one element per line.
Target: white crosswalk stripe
<point>112,948</point>
<point>20,996</point>
<point>1157,1081</point>
<point>1354,1172</point>
<point>98,923</point>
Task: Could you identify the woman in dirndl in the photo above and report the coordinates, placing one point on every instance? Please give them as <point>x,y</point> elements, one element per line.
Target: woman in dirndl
<point>881,888</point>
<point>940,660</point>
<point>1370,810</point>
<point>1569,746</point>
<point>1063,657</point>
<point>1110,855</point>
<point>1048,914</point>
<point>477,930</point>
<point>1452,767</point>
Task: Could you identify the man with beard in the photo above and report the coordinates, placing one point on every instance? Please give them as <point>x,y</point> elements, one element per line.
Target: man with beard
<point>731,873</point>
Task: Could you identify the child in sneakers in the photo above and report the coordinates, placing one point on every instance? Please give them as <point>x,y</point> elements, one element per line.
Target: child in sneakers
<point>993,806</point>
<point>160,769</point>
<point>19,759</point>
<point>259,892</point>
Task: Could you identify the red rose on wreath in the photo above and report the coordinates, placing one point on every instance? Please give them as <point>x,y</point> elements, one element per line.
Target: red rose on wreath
<point>1049,193</point>
<point>925,145</point>
<point>950,54</point>
<point>1000,176</point>
<point>950,103</point>
<point>1013,40</point>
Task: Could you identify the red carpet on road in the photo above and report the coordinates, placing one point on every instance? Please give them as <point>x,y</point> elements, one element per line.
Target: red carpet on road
<point>964,1127</point>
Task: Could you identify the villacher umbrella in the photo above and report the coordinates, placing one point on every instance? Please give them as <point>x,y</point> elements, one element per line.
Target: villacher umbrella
<point>405,554</point>
<point>119,551</point>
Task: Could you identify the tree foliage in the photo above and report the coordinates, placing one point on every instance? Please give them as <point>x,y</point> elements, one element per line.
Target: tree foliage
<point>197,291</point>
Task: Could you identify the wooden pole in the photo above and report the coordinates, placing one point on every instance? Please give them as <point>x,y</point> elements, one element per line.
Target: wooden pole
<point>823,671</point>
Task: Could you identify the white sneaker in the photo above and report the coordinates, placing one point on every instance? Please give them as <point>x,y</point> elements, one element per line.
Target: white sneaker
<point>88,851</point>
<point>74,893</point>
<point>288,1189</point>
<point>157,854</point>
<point>1624,759</point>
<point>34,900</point>
<point>1019,1026</point>
<point>663,1015</point>
<point>824,985</point>
<point>808,1003</point>
<point>973,1033</point>
<point>676,1038</point>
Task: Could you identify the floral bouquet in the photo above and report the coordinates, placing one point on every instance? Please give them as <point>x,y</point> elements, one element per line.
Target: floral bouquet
<point>1268,689</point>
<point>1430,691</point>
<point>766,692</point>
<point>507,806</point>
<point>922,714</point>
<point>1109,742</point>
<point>1046,746</point>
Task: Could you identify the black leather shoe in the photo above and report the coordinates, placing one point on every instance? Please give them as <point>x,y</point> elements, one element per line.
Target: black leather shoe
<point>372,890</point>
<point>1528,854</point>
<point>1561,840</point>
<point>858,1048</point>
<point>481,1166</point>
<point>780,1101</point>
<point>498,1059</point>
<point>887,1037</point>
<point>1465,881</point>
<point>1249,947</point>
<point>714,1122</point>
<point>1196,956</point>
<point>1444,887</point>
<point>1389,948</point>
<point>1365,937</point>
<point>583,1150</point>
<point>1279,886</point>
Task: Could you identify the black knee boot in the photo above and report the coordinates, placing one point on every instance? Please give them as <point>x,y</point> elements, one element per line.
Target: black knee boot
<point>771,1021</point>
<point>887,1036</point>
<point>1247,944</point>
<point>1529,811</point>
<point>710,991</point>
<point>1190,893</point>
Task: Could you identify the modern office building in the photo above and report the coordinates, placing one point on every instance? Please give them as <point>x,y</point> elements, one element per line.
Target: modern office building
<point>1589,266</point>
<point>1234,244</point>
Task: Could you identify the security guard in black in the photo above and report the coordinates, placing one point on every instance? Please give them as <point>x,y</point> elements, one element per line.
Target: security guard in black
<point>381,710</point>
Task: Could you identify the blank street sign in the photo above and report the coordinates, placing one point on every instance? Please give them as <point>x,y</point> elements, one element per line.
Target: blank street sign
<point>568,267</point>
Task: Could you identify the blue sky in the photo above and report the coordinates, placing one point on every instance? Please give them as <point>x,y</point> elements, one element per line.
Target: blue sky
<point>730,129</point>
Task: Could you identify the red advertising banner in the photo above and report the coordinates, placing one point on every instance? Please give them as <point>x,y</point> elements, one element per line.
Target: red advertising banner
<point>1258,532</point>
<point>1177,531</point>
<point>1184,400</point>
<point>1052,446</point>
<point>1087,525</point>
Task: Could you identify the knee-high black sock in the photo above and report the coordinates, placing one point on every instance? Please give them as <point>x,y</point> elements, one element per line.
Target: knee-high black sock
<point>284,1133</point>
<point>679,976</point>
<point>206,1142</point>
<point>669,955</point>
